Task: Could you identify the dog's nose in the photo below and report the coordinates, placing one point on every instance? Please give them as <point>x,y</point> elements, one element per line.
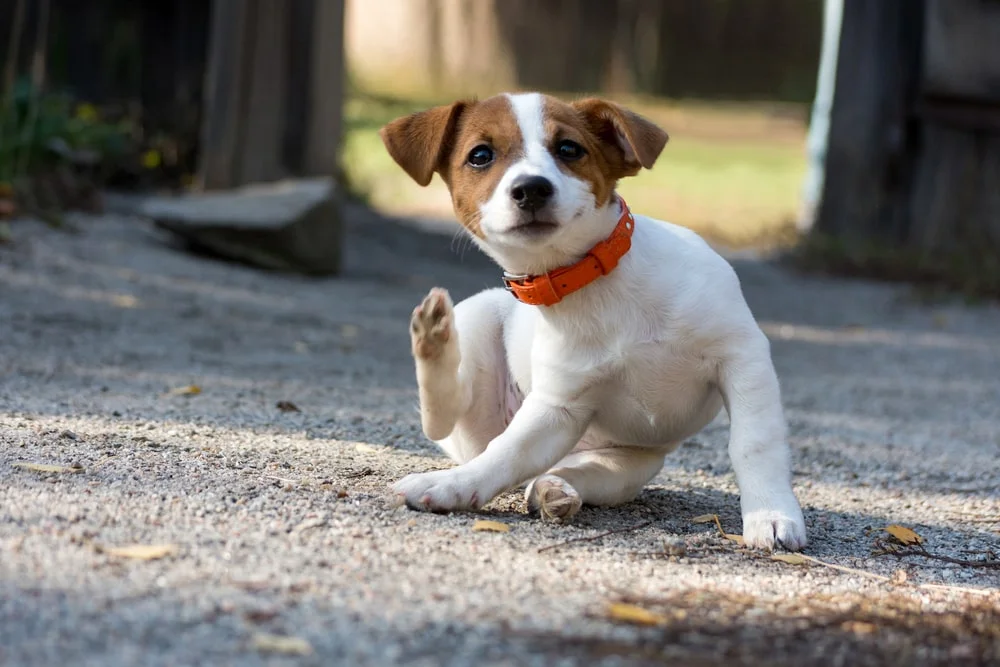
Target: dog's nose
<point>531,193</point>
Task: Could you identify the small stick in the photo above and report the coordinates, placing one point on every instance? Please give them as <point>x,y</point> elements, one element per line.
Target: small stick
<point>920,551</point>
<point>879,577</point>
<point>284,480</point>
<point>596,537</point>
<point>844,568</point>
<point>958,589</point>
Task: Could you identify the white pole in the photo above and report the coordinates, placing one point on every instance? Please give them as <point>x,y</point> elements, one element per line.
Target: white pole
<point>819,123</point>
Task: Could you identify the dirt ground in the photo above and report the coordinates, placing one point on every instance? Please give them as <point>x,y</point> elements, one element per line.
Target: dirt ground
<point>267,487</point>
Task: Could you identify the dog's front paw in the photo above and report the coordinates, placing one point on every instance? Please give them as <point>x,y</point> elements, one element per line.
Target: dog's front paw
<point>769,527</point>
<point>432,325</point>
<point>553,497</point>
<point>439,491</point>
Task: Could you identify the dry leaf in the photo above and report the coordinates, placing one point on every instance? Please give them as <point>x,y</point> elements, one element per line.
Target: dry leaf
<point>143,551</point>
<point>710,518</point>
<point>630,613</point>
<point>47,467</point>
<point>859,627</point>
<point>287,406</point>
<point>282,644</point>
<point>189,390</point>
<point>791,559</point>
<point>899,577</point>
<point>125,301</point>
<point>904,534</point>
<point>491,526</point>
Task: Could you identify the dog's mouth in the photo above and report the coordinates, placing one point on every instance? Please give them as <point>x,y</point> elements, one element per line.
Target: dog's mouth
<point>535,228</point>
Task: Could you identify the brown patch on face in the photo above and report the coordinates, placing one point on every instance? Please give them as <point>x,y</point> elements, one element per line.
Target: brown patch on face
<point>490,123</point>
<point>618,142</point>
<point>440,140</point>
<point>564,122</point>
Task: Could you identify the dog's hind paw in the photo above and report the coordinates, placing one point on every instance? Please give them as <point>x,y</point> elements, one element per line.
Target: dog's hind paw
<point>553,497</point>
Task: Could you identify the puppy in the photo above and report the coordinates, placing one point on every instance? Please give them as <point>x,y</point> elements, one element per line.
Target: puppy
<point>613,338</point>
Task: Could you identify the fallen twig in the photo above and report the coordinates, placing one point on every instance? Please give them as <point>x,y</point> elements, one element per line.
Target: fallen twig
<point>844,568</point>
<point>919,550</point>
<point>958,589</point>
<point>879,577</point>
<point>284,480</point>
<point>595,537</point>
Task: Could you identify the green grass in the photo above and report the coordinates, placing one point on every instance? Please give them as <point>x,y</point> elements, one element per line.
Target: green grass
<point>731,172</point>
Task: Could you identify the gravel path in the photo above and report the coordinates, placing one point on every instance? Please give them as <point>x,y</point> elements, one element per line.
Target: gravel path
<point>281,525</point>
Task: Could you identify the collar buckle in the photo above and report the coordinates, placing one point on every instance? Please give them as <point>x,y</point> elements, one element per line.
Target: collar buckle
<point>510,278</point>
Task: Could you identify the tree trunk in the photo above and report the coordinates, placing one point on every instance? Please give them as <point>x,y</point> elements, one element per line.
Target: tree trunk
<point>955,194</point>
<point>274,91</point>
<point>913,160</point>
<point>870,128</point>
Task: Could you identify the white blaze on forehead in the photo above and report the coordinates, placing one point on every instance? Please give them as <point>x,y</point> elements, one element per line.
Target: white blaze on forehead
<point>529,111</point>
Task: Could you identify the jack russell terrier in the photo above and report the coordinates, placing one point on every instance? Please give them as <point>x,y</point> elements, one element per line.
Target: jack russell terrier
<point>614,338</point>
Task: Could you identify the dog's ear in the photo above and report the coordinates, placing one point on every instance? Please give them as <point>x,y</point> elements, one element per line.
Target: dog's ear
<point>630,141</point>
<point>421,142</point>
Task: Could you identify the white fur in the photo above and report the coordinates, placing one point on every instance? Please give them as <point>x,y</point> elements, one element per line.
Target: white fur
<point>614,377</point>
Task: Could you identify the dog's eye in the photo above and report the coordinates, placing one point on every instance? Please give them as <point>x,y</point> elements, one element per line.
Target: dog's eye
<point>480,156</point>
<point>569,150</point>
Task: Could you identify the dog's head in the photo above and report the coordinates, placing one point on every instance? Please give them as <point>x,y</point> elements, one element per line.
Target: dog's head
<point>532,178</point>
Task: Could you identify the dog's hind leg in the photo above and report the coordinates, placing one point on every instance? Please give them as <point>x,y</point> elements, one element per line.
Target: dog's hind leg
<point>606,476</point>
<point>459,356</point>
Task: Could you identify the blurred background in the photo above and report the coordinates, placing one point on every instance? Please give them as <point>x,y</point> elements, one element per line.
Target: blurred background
<point>730,80</point>
<point>901,98</point>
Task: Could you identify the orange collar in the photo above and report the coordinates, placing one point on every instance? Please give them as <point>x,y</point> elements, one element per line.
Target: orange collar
<point>550,288</point>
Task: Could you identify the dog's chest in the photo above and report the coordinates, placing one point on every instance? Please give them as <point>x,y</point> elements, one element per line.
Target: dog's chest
<point>660,393</point>
<point>647,392</point>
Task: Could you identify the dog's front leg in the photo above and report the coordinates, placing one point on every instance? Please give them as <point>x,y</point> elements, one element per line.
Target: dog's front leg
<point>758,448</point>
<point>542,432</point>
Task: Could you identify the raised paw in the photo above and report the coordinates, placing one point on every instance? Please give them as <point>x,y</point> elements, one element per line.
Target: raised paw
<point>554,498</point>
<point>768,528</point>
<point>439,491</point>
<point>431,325</point>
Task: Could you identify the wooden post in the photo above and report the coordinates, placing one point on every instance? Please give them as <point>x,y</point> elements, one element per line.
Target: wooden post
<point>868,145</point>
<point>323,91</point>
<point>224,92</point>
<point>955,193</point>
<point>913,160</point>
<point>273,93</point>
